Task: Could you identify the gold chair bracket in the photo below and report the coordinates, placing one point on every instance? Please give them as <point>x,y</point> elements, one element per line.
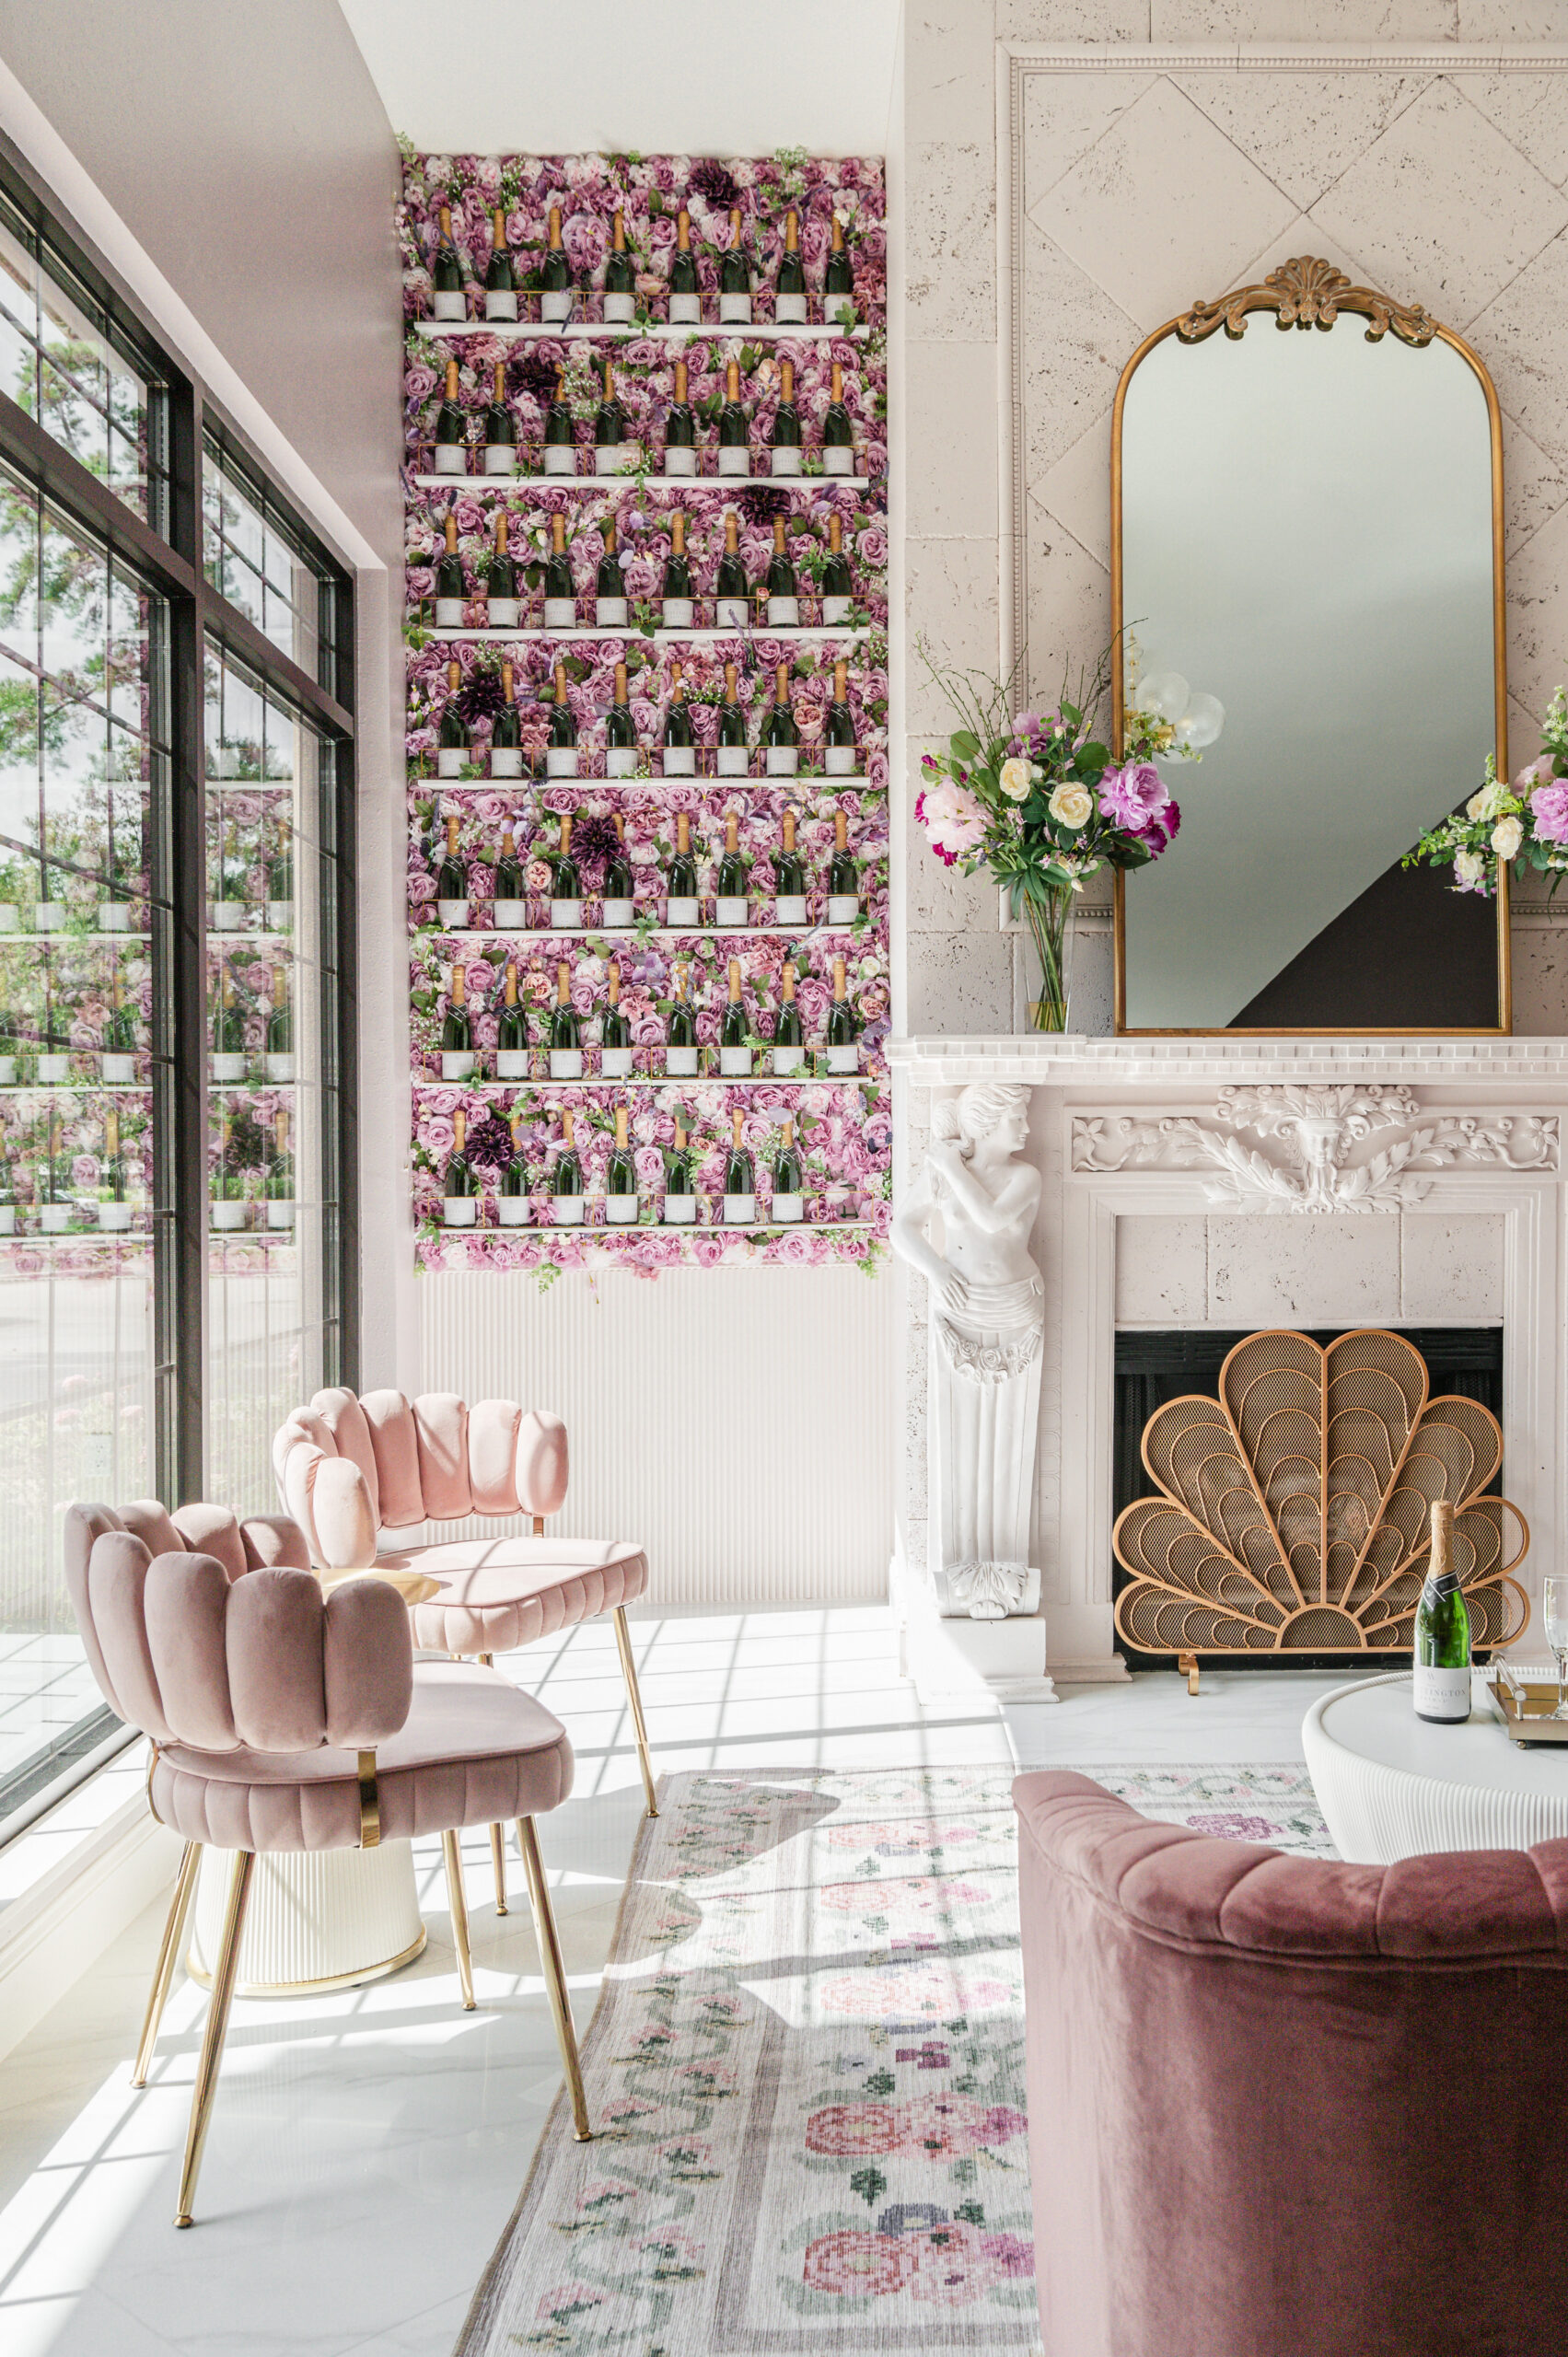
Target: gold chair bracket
<point>369,1803</point>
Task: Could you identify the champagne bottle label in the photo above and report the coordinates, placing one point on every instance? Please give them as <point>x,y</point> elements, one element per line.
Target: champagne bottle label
<point>845,1059</point>
<point>620,1211</point>
<point>786,460</point>
<point>615,1063</point>
<point>566,916</point>
<point>789,310</point>
<point>685,311</point>
<point>734,460</point>
<point>735,1064</point>
<point>616,915</point>
<point>453,915</point>
<point>678,613</point>
<point>788,1059</point>
<point>512,1211</point>
<point>280,1067</point>
<point>678,459</point>
<point>783,613</point>
<point>620,310</point>
<point>731,613</point>
<point>615,458</point>
<point>680,1064</point>
<point>500,302</point>
<point>679,760</point>
<point>789,908</point>
<point>733,760</point>
<point>457,1063</point>
<point>836,612</point>
<point>837,459</point>
<point>842,907</point>
<point>783,760</point>
<point>555,305</point>
<point>735,310</point>
<point>610,612</point>
<point>683,910</point>
<point>560,459</point>
<point>505,613</point>
<point>739,1211</point>
<point>561,613</point>
<point>680,1211</point>
<point>450,613</point>
<point>621,760</point>
<point>511,1063</point>
<point>561,761</point>
<point>730,913</point>
<point>787,1209</point>
<point>448,304</point>
<point>1442,1693</point>
<point>839,760</point>
<point>567,1210</point>
<point>460,1211</point>
<point>451,458</point>
<point>506,761</point>
<point>565,1064</point>
<point>500,458</point>
<point>449,760</point>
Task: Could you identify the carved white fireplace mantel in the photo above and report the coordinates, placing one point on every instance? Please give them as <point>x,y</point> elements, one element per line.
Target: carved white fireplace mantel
<point>1236,1182</point>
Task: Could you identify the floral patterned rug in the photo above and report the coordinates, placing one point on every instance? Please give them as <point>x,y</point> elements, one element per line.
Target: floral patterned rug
<point>807,2069</point>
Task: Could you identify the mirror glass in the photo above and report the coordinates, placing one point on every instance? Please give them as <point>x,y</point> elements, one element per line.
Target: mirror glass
<point>1307,532</point>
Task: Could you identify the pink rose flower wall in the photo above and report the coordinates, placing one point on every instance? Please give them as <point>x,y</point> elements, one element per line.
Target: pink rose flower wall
<point>842,1122</point>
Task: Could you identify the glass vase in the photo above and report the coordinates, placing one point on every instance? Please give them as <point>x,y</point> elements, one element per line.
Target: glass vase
<point>1047,920</point>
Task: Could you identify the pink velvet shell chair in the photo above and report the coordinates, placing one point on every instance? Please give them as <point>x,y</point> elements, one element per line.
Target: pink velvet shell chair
<point>285,1719</point>
<point>353,1472</point>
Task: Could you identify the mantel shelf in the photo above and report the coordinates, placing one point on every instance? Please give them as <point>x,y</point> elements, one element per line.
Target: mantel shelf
<point>626,332</point>
<point>1070,1059</point>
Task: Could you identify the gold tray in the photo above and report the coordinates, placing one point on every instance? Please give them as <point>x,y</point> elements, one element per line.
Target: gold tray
<point>1526,1705</point>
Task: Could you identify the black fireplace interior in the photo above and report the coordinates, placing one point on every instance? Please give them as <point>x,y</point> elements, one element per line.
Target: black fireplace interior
<point>1154,1366</point>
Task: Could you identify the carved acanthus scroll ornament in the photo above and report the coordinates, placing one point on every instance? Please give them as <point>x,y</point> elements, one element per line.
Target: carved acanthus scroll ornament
<point>1306,293</point>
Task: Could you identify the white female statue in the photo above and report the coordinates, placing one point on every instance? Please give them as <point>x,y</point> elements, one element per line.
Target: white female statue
<point>987,1331</point>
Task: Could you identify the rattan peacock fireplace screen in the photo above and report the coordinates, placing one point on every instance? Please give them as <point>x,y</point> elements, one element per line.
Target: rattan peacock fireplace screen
<point>1294,1510</point>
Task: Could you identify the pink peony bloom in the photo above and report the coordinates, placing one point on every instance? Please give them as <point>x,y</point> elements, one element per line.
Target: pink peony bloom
<point>953,818</point>
<point>1548,808</point>
<point>1132,795</point>
<point>1162,828</point>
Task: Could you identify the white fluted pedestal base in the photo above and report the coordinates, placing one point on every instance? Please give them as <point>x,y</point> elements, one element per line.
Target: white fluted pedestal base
<point>316,1921</point>
<point>1391,1786</point>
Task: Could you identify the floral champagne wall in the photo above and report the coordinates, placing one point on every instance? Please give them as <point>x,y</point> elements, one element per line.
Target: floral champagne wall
<point>786,414</point>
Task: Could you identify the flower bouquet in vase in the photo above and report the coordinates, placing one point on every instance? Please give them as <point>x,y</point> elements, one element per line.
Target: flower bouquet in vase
<point>1037,797</point>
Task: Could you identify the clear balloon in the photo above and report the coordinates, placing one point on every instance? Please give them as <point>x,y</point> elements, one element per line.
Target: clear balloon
<point>1200,722</point>
<point>1164,694</point>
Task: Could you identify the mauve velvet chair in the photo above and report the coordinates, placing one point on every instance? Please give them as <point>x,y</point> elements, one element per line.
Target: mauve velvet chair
<point>282,1719</point>
<point>1284,2108</point>
<point>353,1471</point>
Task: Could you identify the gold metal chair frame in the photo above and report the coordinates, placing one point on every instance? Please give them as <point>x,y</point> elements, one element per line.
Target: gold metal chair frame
<point>1293,1513</point>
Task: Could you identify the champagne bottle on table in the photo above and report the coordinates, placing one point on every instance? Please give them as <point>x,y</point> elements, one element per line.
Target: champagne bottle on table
<point>117,1063</point>
<point>732,754</point>
<point>615,1032</point>
<point>789,291</point>
<point>457,1030</point>
<point>685,287</point>
<point>451,586</point>
<point>785,448</point>
<point>448,299</point>
<point>1441,1632</point>
<point>789,1039</point>
<point>511,904</point>
<point>843,1054</point>
<point>500,427</point>
<point>680,429</point>
<point>838,429</point>
<point>681,1032</point>
<point>554,276</point>
<point>561,751</point>
<point>613,450</point>
<point>679,612</point>
<point>500,277</point>
<point>735,1055</point>
<point>280,877</point>
<point>783,588</point>
<point>560,589</point>
<point>506,734</point>
<point>609,588</point>
<point>735,277</point>
<point>616,908</point>
<point>789,1182</point>
<point>838,279</point>
<point>280,1031</point>
<point>620,1204</point>
<point>844,877</point>
<point>619,279</point>
<point>789,877</point>
<point>739,1176</point>
<point>620,731</point>
<point>559,433</point>
<point>504,607</point>
<point>565,887</point>
<point>680,749</point>
<point>734,426</point>
<point>277,1187</point>
<point>228,1208</point>
<point>565,1032</point>
<point>451,736</point>
<point>512,1033</point>
<point>678,1208</point>
<point>682,903</point>
<point>838,583</point>
<point>452,885</point>
<point>780,738</point>
<point>732,591</point>
<point>732,884</point>
<point>512,1197</point>
<point>567,1189</point>
<point>230,1061</point>
<point>113,1195</point>
<point>451,429</point>
<point>460,1184</point>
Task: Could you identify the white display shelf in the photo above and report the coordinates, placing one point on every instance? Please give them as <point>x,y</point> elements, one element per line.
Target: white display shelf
<point>600,1232</point>
<point>626,933</point>
<point>120,1237</point>
<point>626,331</point>
<point>77,1088</point>
<point>631,476</point>
<point>802,633</point>
<point>61,936</point>
<point>665,1080</point>
<point>615,785</point>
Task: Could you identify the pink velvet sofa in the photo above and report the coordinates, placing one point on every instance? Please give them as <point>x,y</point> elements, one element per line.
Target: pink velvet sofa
<point>1283,2107</point>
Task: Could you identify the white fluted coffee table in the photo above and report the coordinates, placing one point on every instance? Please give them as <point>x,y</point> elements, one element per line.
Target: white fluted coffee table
<point>1392,1786</point>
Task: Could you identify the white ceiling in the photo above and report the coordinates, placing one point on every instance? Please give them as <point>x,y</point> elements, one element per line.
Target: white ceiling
<point>741,77</point>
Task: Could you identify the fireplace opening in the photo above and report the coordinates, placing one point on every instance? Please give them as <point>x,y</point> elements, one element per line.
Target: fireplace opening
<point>1152,1367</point>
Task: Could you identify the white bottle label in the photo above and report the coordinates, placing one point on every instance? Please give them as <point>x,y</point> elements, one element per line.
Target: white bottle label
<point>783,760</point>
<point>787,1209</point>
<point>618,309</point>
<point>500,305</point>
<point>278,1215</point>
<point>457,1063</point>
<point>616,915</point>
<point>449,760</point>
<point>835,610</point>
<point>678,459</point>
<point>114,916</point>
<point>615,1063</point>
<point>561,613</point>
<point>783,613</point>
<point>739,1211</point>
<point>52,1069</point>
<point>677,613</point>
<point>453,915</point>
<point>680,1211</point>
<point>838,460</point>
<point>730,911</point>
<point>682,911</point>
<point>280,916</point>
<point>621,760</point>
<point>7,1219</point>
<point>561,761</point>
<point>560,459</point>
<point>609,613</point>
<point>506,761</point>
<point>685,310</point>
<point>114,1219</point>
<point>842,907</point>
<point>734,760</point>
<point>839,760</point>
<point>450,305</point>
<point>280,1068</point>
<point>786,458</point>
<point>620,1211</point>
<point>450,613</point>
<point>503,613</point>
<point>512,1211</point>
<point>511,1063</point>
<point>790,909</point>
<point>118,1072</point>
<point>735,310</point>
<point>679,760</point>
<point>734,460</point>
<point>565,1064</point>
<point>451,458</point>
<point>223,916</point>
<point>555,305</point>
<point>680,1064</point>
<point>731,613</point>
<point>511,916</point>
<point>460,1211</point>
<point>789,310</point>
<point>844,1060</point>
<point>565,916</point>
<point>735,1064</point>
<point>500,458</point>
<point>1442,1693</point>
<point>787,1061</point>
<point>567,1210</point>
<point>614,457</point>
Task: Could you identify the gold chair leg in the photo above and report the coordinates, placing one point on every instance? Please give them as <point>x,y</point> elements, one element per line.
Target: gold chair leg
<point>224,1973</point>
<point>498,1860</point>
<point>554,1973</point>
<point>459,1907</point>
<point>634,1695</point>
<point>163,1975</point>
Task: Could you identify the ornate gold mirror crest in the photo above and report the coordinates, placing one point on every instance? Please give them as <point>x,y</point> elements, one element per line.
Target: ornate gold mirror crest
<point>1318,544</point>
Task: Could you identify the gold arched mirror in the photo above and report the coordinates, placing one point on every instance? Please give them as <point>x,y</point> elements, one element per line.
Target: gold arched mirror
<point>1310,526</point>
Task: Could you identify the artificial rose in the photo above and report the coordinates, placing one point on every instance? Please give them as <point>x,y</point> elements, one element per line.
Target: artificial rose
<point>1069,805</point>
<point>1132,796</point>
<point>1548,808</point>
<point>1506,837</point>
<point>1016,780</point>
<point>1470,867</point>
<point>1488,803</point>
<point>953,818</point>
<point>1161,828</point>
<point>1541,771</point>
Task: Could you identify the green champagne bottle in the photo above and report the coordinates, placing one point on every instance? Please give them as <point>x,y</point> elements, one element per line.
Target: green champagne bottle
<point>506,734</point>
<point>555,277</point>
<point>789,291</point>
<point>838,430</point>
<point>789,1181</point>
<point>460,1186</point>
<point>735,427</point>
<point>561,751</point>
<point>732,591</point>
<point>681,905</point>
<point>457,1030</point>
<point>838,279</point>
<point>678,1208</point>
<point>610,587</point>
<point>511,906</point>
<point>843,1055</point>
<point>680,1033</point>
<point>448,300</point>
<point>735,1055</point>
<point>789,1039</point>
<point>785,448</point>
<point>616,910</point>
<point>678,609</point>
<point>452,584</point>
<point>451,736</point>
<point>1441,1632</point>
<point>230,1058</point>
<point>228,1208</point>
<point>620,1204</point>
<point>619,279</point>
<point>844,877</point>
<point>452,885</point>
<point>789,879</point>
<point>451,429</point>
<point>679,749</point>
<point>559,433</point>
<point>560,589</point>
<point>566,1178</point>
<point>783,587</point>
<point>118,1059</point>
<point>680,429</point>
<point>735,278</point>
<point>500,427</point>
<point>503,606</point>
<point>685,287</point>
<point>739,1176</point>
<point>565,885</point>
<point>280,1031</point>
<point>838,583</point>
<point>615,1032</point>
<point>280,879</point>
<point>500,277</point>
<point>620,731</point>
<point>512,1198</point>
<point>565,1032</point>
<point>512,1032</point>
<point>732,885</point>
<point>277,1185</point>
<point>733,755</point>
<point>113,1195</point>
<point>611,449</point>
<point>780,738</point>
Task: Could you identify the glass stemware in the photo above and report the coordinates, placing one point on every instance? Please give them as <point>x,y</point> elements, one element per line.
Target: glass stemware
<point>1555,1615</point>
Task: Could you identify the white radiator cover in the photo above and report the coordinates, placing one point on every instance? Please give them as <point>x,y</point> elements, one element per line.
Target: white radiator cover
<point>739,1422</point>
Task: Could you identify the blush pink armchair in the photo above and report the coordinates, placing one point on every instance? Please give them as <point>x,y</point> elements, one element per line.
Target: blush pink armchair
<point>354,1472</point>
<point>285,1719</point>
